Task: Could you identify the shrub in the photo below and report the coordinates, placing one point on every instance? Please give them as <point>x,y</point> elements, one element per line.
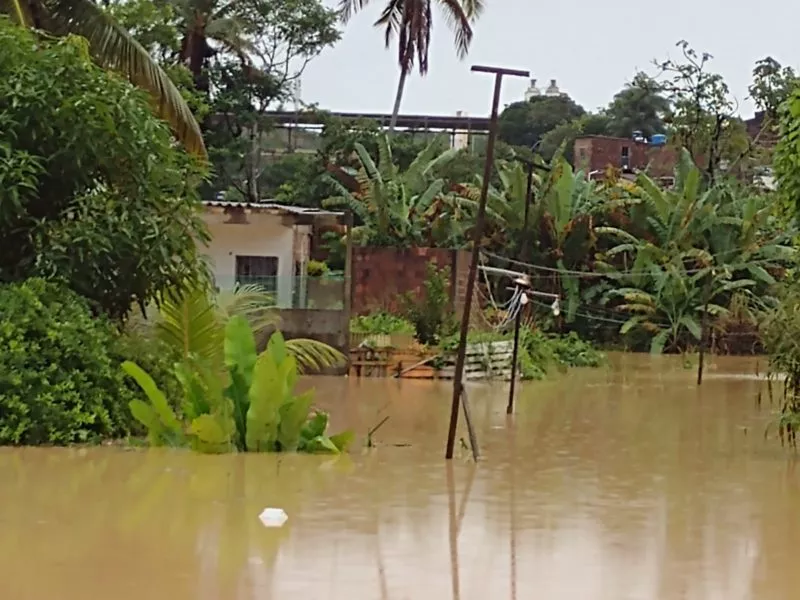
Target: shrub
<point>155,357</point>
<point>431,316</point>
<point>381,323</point>
<point>59,381</point>
<point>316,268</point>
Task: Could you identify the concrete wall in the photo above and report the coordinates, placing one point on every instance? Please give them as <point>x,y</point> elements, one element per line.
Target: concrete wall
<point>262,235</point>
<point>381,276</point>
<point>329,326</point>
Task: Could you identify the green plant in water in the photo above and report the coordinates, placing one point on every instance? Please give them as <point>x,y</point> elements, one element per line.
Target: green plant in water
<point>255,409</point>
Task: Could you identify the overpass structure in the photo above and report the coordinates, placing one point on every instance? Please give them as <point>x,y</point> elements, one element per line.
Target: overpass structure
<point>297,126</point>
<point>457,124</point>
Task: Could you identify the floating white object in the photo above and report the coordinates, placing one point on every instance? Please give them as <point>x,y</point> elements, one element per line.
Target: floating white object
<point>273,517</point>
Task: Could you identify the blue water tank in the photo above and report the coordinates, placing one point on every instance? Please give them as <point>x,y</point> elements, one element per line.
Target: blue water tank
<point>659,139</point>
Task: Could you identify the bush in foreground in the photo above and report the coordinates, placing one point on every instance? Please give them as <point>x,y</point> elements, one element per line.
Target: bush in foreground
<point>60,382</point>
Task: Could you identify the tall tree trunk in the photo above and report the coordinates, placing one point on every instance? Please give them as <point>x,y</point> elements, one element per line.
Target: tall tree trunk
<point>401,85</point>
<point>253,163</point>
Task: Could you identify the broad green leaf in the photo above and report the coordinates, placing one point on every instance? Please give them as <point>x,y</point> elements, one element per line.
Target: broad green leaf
<point>658,342</point>
<point>240,358</point>
<point>266,397</point>
<point>321,443</point>
<point>209,430</point>
<point>691,324</point>
<point>196,401</point>
<point>145,414</point>
<point>157,399</point>
<point>212,432</point>
<point>277,347</point>
<point>293,414</point>
<point>240,346</point>
<point>761,274</point>
<point>630,324</point>
<point>343,440</point>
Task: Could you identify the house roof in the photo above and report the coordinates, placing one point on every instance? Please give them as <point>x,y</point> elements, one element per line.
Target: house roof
<point>274,208</point>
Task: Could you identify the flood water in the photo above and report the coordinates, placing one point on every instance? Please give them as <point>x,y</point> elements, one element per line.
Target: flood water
<point>621,483</point>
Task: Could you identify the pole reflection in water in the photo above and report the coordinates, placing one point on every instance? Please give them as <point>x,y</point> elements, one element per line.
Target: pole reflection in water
<point>451,509</point>
<point>512,500</point>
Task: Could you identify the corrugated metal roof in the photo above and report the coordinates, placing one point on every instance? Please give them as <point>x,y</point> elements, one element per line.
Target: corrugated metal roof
<point>284,209</point>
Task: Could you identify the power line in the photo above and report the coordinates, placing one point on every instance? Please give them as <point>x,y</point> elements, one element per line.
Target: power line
<point>558,271</point>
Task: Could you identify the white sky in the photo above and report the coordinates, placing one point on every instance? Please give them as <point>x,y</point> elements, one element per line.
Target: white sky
<point>591,48</point>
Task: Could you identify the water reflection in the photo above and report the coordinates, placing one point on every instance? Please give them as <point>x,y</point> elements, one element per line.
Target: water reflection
<point>623,483</point>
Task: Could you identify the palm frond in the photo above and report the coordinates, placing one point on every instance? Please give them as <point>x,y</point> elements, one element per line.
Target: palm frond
<point>191,325</point>
<point>312,355</point>
<point>114,48</point>
<point>347,8</point>
<point>251,302</point>
<point>458,21</point>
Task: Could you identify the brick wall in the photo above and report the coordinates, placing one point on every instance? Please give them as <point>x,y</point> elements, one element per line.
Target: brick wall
<point>596,153</point>
<point>382,275</point>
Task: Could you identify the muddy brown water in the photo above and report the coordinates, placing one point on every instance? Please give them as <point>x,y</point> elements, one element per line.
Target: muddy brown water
<point>619,483</point>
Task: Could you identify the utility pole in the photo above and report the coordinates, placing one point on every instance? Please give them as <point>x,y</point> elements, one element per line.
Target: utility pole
<point>458,383</point>
<point>522,284</point>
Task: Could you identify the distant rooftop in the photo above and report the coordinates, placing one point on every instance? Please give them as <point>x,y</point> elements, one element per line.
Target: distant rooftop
<point>268,206</point>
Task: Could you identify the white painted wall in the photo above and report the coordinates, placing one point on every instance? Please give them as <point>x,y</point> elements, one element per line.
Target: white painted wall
<point>263,235</point>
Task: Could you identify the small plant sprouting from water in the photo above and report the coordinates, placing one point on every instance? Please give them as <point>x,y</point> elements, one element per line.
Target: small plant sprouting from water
<point>251,407</point>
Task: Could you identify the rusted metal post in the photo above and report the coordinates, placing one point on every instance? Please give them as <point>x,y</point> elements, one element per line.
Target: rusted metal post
<point>458,382</point>
<point>704,329</point>
<point>518,318</point>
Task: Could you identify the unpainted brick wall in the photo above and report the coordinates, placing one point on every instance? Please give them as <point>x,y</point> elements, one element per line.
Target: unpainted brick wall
<point>381,276</point>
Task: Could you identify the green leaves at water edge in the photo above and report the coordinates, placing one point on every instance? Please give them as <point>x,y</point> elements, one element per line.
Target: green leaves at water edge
<point>212,433</point>
<point>240,360</point>
<point>293,415</point>
<point>163,427</point>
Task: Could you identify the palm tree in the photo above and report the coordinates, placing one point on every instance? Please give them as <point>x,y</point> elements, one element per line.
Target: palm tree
<point>113,48</point>
<point>411,21</point>
<point>204,21</point>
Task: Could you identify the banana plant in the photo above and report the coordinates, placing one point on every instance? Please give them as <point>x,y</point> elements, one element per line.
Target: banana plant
<point>256,410</point>
<point>393,208</point>
<point>670,306</point>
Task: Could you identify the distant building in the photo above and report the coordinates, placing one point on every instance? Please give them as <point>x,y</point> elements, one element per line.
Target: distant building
<point>534,92</point>
<point>266,244</point>
<point>594,154</point>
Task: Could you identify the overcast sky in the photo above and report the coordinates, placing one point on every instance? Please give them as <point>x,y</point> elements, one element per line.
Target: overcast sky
<point>591,48</point>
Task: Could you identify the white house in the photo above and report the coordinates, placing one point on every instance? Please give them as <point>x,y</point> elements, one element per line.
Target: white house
<point>265,243</point>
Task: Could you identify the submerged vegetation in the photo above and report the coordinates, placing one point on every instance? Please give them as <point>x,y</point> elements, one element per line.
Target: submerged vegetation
<point>250,406</point>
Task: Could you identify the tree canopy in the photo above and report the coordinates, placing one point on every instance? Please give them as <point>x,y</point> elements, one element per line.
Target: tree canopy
<point>94,190</point>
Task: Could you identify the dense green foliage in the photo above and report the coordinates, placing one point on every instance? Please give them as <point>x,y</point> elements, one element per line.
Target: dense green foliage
<point>381,323</point>
<point>254,408</point>
<point>60,380</point>
<point>781,335</point>
<point>431,313</point>
<point>94,192</point>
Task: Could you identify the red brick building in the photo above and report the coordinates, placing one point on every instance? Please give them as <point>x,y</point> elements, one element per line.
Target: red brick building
<point>596,153</point>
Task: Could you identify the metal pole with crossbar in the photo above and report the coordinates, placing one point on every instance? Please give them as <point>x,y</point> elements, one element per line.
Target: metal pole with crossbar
<point>458,381</point>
